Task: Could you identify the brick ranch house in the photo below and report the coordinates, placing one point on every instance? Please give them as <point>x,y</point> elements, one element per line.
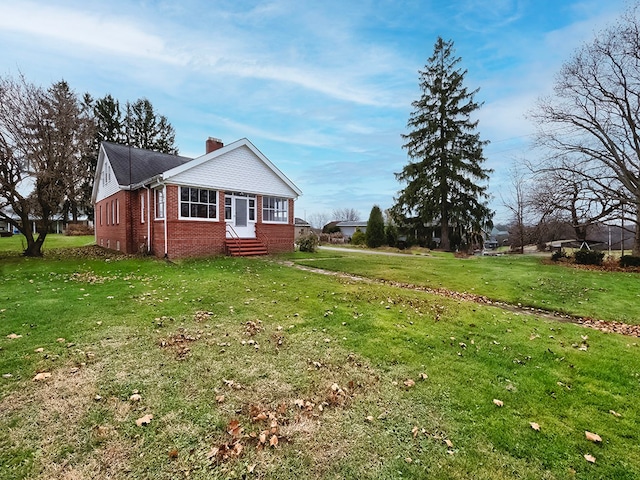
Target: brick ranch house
<point>232,200</point>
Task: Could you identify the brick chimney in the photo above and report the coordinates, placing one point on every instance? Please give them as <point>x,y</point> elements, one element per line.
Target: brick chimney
<point>213,144</point>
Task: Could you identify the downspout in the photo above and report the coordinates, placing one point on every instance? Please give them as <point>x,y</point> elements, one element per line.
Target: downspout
<point>148,218</point>
<point>166,251</point>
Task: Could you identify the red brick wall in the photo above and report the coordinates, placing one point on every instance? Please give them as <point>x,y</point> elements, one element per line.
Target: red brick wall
<point>186,238</point>
<point>189,238</point>
<point>109,233</point>
<point>279,237</point>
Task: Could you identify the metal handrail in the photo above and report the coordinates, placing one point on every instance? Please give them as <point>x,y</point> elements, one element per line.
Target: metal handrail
<point>234,236</point>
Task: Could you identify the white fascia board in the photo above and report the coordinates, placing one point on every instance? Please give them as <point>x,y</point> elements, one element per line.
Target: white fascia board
<point>227,148</point>
<point>98,174</point>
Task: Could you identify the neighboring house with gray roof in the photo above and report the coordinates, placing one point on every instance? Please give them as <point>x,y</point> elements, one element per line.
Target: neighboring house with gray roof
<point>348,228</point>
<point>231,200</point>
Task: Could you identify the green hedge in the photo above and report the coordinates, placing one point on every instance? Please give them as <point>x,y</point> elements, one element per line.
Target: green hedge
<point>588,257</point>
<point>629,261</point>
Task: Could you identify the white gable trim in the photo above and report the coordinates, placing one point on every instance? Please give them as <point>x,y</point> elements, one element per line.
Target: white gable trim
<point>98,174</point>
<point>101,189</point>
<point>221,151</point>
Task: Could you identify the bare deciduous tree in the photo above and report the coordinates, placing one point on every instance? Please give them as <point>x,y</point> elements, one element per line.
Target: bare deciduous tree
<point>319,219</point>
<point>39,156</point>
<point>346,215</point>
<point>518,204</point>
<point>594,116</point>
<point>571,192</point>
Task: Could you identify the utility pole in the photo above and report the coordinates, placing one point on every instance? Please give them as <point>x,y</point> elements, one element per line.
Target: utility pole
<point>622,233</point>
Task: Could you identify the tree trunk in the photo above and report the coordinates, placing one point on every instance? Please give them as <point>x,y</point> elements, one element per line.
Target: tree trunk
<point>34,247</point>
<point>444,232</point>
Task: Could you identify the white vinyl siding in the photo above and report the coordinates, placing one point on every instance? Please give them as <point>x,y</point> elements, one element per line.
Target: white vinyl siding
<point>239,170</point>
<point>108,185</point>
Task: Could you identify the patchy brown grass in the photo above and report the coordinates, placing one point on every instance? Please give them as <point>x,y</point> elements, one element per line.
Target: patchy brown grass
<point>51,413</point>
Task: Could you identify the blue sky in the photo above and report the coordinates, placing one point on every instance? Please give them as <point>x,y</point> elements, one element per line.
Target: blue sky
<point>322,88</point>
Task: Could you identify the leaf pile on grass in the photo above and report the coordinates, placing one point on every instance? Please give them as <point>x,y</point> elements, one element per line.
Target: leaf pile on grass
<point>88,252</point>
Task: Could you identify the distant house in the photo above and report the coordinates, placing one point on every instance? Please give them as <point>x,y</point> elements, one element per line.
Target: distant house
<point>302,228</point>
<point>5,228</point>
<point>348,228</point>
<point>57,225</point>
<point>230,200</point>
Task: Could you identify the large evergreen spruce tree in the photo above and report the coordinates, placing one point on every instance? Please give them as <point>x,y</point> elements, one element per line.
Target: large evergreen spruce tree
<point>445,181</point>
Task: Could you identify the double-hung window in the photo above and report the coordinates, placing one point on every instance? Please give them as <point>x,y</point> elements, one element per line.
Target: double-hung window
<point>159,194</point>
<point>143,212</point>
<point>275,209</point>
<point>198,203</point>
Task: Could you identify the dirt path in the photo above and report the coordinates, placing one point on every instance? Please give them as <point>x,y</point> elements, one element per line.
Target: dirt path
<point>602,325</point>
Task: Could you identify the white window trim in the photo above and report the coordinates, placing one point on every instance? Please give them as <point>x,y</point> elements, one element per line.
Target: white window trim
<point>250,198</point>
<point>276,222</point>
<point>142,205</point>
<point>199,219</point>
<point>156,191</point>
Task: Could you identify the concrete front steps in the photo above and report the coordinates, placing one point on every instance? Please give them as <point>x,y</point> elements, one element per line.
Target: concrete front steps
<point>245,247</point>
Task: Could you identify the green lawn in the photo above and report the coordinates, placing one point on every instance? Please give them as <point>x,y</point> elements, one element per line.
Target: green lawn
<point>352,379</point>
<point>16,244</point>
<point>518,279</point>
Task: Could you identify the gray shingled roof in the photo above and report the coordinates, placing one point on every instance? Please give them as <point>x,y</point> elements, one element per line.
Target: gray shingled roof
<point>133,165</point>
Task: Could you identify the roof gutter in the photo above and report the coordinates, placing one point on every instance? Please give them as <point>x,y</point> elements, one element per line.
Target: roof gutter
<point>155,180</point>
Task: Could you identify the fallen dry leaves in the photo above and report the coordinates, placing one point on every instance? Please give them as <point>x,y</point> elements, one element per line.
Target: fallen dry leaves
<point>498,403</point>
<point>178,343</point>
<point>41,376</point>
<point>234,447</point>
<point>535,426</point>
<point>145,420</point>
<point>611,327</point>
<point>13,336</point>
<point>593,437</point>
<point>590,458</point>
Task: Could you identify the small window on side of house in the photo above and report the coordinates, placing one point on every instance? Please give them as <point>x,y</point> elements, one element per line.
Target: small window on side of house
<point>160,202</point>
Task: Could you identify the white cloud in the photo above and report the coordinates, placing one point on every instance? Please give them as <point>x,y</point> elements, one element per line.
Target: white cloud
<point>84,31</point>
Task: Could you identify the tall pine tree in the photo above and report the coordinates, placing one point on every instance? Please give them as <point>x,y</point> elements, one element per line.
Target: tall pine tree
<point>445,181</point>
<point>144,128</point>
<point>374,236</point>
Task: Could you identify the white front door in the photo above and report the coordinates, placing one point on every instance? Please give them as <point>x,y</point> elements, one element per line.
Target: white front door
<point>240,216</point>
